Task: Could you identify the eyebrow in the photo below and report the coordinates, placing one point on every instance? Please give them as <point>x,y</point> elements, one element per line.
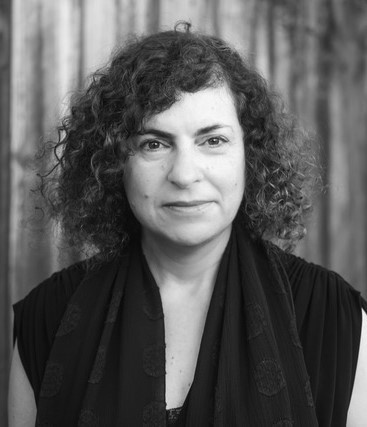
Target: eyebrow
<point>168,135</point>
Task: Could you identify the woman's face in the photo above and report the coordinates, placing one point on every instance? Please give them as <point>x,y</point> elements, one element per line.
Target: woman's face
<point>186,179</point>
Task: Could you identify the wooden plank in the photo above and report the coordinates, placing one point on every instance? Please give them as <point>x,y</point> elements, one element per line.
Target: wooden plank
<point>172,11</point>
<point>46,60</point>
<point>35,104</point>
<point>153,16</point>
<point>125,19</point>
<point>27,112</point>
<point>350,126</point>
<point>67,49</point>
<point>5,13</point>
<point>237,18</point>
<point>99,33</point>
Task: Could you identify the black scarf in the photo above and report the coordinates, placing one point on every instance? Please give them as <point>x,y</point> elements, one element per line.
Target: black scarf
<point>107,363</point>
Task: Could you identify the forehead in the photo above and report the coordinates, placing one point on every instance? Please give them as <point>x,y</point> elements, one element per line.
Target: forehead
<point>198,109</point>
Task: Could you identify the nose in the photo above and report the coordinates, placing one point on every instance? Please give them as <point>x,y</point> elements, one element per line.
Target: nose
<point>184,168</point>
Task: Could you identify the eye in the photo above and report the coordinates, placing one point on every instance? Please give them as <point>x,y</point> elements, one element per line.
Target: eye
<point>152,145</point>
<point>216,141</point>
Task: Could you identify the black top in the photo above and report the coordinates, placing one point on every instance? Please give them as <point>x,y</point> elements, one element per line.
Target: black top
<point>328,315</point>
<point>172,415</point>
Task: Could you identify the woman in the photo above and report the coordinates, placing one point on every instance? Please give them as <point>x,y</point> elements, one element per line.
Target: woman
<point>178,167</point>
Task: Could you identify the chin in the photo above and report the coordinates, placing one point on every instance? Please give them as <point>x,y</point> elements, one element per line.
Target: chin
<point>194,236</point>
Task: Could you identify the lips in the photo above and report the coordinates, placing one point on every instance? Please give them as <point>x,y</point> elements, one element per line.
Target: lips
<point>188,207</point>
<point>187,204</point>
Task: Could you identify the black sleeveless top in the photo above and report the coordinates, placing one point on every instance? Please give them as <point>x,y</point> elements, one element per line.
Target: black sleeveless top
<point>328,315</point>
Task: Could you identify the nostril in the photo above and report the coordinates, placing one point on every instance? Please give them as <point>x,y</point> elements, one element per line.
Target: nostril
<point>184,170</point>
<point>184,176</point>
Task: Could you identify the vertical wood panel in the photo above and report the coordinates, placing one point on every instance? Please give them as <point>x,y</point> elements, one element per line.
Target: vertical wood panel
<point>235,17</point>
<point>298,78</point>
<point>192,11</point>
<point>350,210</point>
<point>26,128</point>
<point>142,16</point>
<point>67,48</point>
<point>125,19</point>
<point>5,13</point>
<point>260,34</point>
<point>340,191</point>
<point>253,28</point>
<point>99,33</point>
<point>153,16</point>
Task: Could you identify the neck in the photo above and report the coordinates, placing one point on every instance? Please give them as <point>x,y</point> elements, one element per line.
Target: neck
<point>189,268</point>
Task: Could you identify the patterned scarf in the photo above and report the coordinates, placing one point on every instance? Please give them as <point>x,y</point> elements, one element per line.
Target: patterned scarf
<point>107,363</point>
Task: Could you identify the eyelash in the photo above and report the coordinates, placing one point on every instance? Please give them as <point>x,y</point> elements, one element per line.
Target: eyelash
<point>219,138</point>
<point>145,144</point>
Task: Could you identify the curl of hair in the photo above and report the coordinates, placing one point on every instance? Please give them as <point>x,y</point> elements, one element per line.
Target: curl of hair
<point>84,186</point>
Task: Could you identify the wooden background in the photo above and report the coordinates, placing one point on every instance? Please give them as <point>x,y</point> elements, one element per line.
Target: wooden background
<point>313,51</point>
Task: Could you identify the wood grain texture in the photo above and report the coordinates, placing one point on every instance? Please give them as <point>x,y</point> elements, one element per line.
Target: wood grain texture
<point>5,13</point>
<point>349,198</point>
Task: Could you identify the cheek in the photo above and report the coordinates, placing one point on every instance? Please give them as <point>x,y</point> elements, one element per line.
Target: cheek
<point>131,184</point>
<point>236,186</point>
<point>128,182</point>
<point>138,186</point>
<point>236,174</point>
<point>136,189</point>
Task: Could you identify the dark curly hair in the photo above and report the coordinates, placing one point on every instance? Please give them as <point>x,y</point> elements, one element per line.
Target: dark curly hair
<point>84,186</point>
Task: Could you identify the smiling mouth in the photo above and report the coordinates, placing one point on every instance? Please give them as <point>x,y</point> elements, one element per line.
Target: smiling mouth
<point>182,204</point>
<point>191,203</point>
<point>185,207</point>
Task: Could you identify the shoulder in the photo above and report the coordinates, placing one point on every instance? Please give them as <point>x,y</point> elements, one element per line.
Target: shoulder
<point>300,270</point>
<point>324,302</point>
<point>323,298</point>
<point>315,287</point>
<point>329,315</point>
<point>37,317</point>
<point>51,295</point>
<point>46,303</point>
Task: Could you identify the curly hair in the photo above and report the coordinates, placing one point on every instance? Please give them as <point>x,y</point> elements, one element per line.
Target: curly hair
<point>84,186</point>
